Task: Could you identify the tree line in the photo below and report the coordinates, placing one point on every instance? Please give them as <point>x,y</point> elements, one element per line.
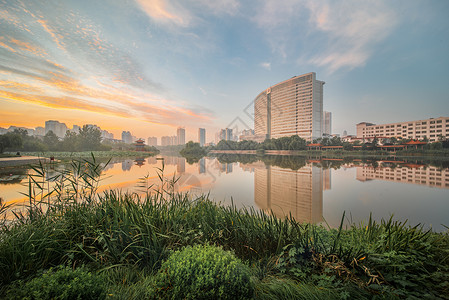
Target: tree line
<point>295,142</point>
<point>87,139</point>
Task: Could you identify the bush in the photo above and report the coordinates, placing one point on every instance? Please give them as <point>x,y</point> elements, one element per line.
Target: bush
<point>64,283</point>
<point>203,272</point>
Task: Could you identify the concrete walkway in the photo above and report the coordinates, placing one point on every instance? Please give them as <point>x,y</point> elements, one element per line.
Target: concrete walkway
<point>21,160</point>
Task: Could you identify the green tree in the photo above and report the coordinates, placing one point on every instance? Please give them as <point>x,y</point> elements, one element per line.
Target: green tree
<point>436,146</point>
<point>70,142</point>
<point>10,140</point>
<point>52,141</point>
<point>347,146</point>
<point>89,138</point>
<point>335,141</point>
<point>31,143</point>
<point>297,143</point>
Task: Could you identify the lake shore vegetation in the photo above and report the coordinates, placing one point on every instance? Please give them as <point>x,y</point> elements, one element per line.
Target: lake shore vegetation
<point>86,140</point>
<point>128,247</point>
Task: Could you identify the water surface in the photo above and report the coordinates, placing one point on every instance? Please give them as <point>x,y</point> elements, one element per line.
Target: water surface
<point>311,190</point>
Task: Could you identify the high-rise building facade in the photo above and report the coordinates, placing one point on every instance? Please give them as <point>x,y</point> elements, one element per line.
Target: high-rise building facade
<point>327,123</point>
<point>181,134</point>
<point>291,107</point>
<point>39,131</point>
<point>226,134</point>
<point>202,136</point>
<point>127,137</point>
<point>58,128</point>
<point>432,129</point>
<point>152,141</point>
<point>165,141</point>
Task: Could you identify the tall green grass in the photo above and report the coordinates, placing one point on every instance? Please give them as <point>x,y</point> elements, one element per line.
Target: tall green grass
<point>128,236</point>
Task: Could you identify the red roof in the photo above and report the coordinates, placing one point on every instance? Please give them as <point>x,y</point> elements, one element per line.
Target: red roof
<point>314,145</point>
<point>415,142</point>
<point>416,166</point>
<point>392,146</point>
<point>313,161</point>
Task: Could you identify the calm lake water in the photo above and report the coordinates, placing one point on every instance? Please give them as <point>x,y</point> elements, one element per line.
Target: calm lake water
<point>311,190</point>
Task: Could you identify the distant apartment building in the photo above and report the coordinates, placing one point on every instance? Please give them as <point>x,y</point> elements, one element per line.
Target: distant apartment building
<point>169,140</point>
<point>58,128</point>
<point>226,134</point>
<point>181,135</point>
<point>106,135</point>
<point>75,129</point>
<point>202,136</point>
<point>291,107</point>
<point>222,135</point>
<point>127,137</point>
<point>152,141</point>
<point>247,134</point>
<point>39,131</point>
<point>327,123</point>
<point>165,141</point>
<point>428,128</point>
<point>29,131</point>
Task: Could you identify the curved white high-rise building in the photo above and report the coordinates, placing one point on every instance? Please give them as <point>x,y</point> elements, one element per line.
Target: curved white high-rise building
<point>291,107</point>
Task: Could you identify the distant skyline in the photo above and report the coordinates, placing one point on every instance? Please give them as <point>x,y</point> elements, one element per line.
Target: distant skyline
<point>152,66</point>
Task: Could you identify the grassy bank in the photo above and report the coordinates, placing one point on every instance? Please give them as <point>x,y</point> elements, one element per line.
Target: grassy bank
<point>130,247</point>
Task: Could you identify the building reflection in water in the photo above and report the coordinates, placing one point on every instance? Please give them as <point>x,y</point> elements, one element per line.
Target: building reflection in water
<point>202,166</point>
<point>414,174</point>
<point>181,165</point>
<point>152,160</point>
<point>127,164</point>
<point>139,161</point>
<point>285,191</point>
<point>226,168</point>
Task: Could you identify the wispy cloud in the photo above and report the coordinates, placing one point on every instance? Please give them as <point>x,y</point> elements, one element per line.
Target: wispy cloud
<point>331,34</point>
<point>186,13</point>
<point>166,11</point>
<point>354,29</point>
<point>64,61</point>
<point>266,65</point>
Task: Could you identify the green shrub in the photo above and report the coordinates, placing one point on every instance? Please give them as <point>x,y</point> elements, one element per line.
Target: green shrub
<point>203,272</point>
<point>64,283</point>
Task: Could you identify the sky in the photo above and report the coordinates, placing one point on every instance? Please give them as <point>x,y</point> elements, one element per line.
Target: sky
<point>150,66</point>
